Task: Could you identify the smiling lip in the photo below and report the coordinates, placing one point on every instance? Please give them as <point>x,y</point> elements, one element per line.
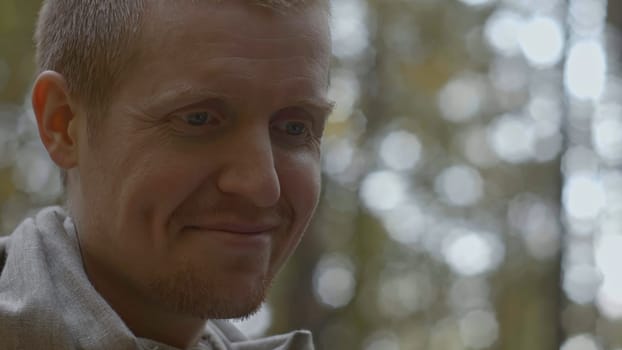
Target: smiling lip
<point>237,228</point>
<point>247,237</point>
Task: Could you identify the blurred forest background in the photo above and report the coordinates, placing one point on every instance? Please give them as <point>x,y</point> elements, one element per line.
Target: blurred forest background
<point>473,177</point>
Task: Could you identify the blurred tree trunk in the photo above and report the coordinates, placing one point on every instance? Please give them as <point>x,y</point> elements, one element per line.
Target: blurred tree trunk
<point>614,13</point>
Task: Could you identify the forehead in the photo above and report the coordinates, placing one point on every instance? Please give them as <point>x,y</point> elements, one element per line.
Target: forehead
<point>237,25</point>
<point>229,44</point>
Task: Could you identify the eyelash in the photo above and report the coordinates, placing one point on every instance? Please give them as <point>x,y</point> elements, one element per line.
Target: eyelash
<point>306,129</point>
<point>204,114</point>
<point>308,138</point>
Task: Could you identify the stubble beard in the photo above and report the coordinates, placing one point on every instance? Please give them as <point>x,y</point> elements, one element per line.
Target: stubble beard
<point>191,292</point>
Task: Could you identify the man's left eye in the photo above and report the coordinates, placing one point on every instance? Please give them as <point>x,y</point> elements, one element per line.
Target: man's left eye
<point>295,128</point>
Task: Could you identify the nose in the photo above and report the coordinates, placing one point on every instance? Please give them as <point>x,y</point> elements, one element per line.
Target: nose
<point>249,170</point>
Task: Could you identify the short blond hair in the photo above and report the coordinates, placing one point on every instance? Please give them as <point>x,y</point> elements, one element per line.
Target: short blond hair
<point>92,42</point>
<point>89,42</point>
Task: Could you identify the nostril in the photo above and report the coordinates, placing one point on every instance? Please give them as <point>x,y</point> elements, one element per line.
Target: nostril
<point>258,184</point>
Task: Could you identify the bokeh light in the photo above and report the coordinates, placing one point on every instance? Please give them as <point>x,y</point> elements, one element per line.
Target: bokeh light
<point>478,2</point>
<point>382,340</point>
<point>584,197</point>
<point>400,150</point>
<point>334,280</point>
<point>338,155</point>
<point>608,260</point>
<point>607,133</point>
<point>512,137</point>
<point>541,40</point>
<point>585,72</point>
<point>460,185</point>
<point>405,224</point>
<point>350,35</point>
<point>383,190</point>
<point>587,16</point>
<point>471,253</point>
<point>580,342</point>
<point>461,99</point>
<point>581,283</point>
<point>501,31</point>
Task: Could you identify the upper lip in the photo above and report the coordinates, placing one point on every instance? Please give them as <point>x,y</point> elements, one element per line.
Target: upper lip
<point>237,227</point>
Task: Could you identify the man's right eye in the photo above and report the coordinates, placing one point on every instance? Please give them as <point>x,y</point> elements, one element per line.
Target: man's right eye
<point>195,122</point>
<point>198,118</point>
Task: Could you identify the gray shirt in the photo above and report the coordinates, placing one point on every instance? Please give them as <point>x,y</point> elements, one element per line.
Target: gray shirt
<point>47,301</point>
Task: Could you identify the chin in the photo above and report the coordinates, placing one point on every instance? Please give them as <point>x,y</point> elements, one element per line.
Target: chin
<point>195,295</point>
<point>231,305</point>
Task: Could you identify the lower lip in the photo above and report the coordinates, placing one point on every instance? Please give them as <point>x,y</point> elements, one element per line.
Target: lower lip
<point>254,239</point>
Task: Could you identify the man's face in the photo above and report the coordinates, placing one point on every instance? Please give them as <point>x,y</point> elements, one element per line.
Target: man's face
<point>204,174</point>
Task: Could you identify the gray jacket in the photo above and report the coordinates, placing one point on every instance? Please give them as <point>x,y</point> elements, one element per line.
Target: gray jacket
<point>47,301</point>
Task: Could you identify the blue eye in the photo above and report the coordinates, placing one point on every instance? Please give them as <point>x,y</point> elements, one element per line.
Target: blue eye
<point>197,118</point>
<point>295,128</point>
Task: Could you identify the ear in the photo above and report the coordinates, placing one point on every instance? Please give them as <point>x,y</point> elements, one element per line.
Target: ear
<point>56,119</point>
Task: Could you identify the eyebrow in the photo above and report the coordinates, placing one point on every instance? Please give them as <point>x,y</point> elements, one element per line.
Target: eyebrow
<point>187,94</point>
<point>318,105</point>
<point>183,93</point>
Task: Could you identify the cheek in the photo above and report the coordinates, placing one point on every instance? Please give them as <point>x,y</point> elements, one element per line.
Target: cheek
<point>144,188</point>
<point>300,188</point>
<point>300,185</point>
<point>159,185</point>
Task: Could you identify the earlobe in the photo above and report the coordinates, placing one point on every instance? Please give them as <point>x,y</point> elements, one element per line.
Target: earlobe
<point>56,118</point>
